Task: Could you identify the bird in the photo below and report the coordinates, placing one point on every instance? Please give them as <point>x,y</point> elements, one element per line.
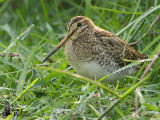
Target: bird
<point>95,53</point>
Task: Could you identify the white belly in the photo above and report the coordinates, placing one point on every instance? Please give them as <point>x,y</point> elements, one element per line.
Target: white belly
<point>95,71</point>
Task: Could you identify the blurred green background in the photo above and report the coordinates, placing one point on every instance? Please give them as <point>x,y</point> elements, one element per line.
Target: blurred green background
<point>54,14</point>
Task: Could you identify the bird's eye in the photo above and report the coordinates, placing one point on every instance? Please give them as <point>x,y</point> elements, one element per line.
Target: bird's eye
<point>79,24</point>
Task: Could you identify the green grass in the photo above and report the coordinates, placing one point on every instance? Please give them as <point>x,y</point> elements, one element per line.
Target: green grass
<point>31,29</point>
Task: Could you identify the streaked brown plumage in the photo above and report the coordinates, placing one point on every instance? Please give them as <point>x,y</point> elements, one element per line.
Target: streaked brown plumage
<point>94,52</point>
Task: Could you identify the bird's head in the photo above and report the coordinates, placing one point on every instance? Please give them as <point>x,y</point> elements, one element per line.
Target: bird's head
<point>76,27</point>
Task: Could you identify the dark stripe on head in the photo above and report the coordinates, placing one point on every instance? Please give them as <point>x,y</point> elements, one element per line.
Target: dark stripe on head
<point>74,20</point>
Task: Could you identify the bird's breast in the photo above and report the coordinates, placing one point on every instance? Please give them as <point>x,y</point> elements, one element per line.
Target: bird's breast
<point>91,61</point>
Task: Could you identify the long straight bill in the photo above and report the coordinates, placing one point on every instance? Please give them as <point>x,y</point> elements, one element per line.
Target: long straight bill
<point>57,47</point>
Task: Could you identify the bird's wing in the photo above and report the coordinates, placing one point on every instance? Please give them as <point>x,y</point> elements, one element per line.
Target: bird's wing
<point>117,48</point>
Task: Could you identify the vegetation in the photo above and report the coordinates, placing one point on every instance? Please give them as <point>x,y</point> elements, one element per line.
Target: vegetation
<point>30,29</point>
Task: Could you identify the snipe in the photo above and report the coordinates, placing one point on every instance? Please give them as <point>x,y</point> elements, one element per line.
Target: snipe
<point>94,52</point>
